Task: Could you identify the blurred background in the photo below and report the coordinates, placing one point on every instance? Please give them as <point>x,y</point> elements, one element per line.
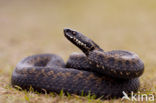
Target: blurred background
<point>29,27</point>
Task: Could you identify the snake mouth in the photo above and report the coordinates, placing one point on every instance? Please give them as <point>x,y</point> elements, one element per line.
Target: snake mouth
<point>81,41</point>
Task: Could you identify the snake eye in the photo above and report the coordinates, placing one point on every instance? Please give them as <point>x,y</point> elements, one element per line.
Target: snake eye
<point>74,33</point>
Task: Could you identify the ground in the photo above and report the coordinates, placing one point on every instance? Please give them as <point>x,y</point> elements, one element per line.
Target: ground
<point>29,27</point>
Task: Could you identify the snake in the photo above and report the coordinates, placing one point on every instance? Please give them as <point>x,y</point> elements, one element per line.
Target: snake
<point>105,74</point>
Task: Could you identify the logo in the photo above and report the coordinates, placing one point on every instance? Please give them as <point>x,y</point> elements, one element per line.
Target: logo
<point>137,97</point>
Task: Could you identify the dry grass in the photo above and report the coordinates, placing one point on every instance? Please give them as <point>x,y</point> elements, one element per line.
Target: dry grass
<point>29,27</point>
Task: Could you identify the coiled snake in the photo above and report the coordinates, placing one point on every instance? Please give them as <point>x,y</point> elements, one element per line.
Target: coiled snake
<point>97,72</point>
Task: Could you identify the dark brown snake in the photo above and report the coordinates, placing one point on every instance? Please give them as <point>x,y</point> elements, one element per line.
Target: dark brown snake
<point>95,72</point>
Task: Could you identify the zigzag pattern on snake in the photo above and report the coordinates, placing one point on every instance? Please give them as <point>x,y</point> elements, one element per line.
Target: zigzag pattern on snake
<point>94,71</point>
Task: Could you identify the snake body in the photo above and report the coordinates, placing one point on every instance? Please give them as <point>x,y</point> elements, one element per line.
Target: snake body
<point>94,72</point>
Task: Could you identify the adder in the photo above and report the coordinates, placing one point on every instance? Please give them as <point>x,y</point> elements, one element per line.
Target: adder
<point>97,72</point>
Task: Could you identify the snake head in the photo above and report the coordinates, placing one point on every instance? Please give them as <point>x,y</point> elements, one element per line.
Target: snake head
<point>81,41</point>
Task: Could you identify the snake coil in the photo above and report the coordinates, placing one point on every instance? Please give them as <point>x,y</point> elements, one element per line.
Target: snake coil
<point>94,71</point>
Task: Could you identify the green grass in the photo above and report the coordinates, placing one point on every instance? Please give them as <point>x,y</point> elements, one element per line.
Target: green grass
<point>29,27</point>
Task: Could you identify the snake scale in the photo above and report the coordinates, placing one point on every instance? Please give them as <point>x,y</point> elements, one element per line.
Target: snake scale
<point>95,71</point>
